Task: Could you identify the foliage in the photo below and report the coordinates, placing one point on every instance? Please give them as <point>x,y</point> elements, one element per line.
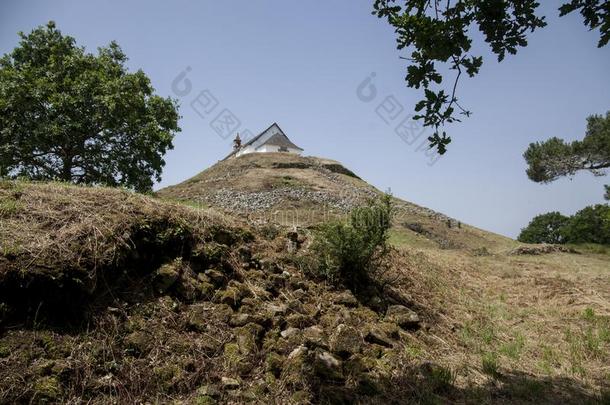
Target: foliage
<point>70,115</point>
<point>589,225</point>
<point>441,33</point>
<point>545,228</point>
<point>348,251</point>
<point>555,158</point>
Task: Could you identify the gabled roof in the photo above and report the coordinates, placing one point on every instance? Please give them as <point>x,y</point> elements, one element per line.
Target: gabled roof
<point>280,140</point>
<point>277,139</point>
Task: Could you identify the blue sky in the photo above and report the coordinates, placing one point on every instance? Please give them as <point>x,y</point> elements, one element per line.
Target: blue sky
<point>300,64</point>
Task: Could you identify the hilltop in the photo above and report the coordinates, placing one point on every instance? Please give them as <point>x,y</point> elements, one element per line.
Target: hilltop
<point>293,190</point>
<point>111,296</point>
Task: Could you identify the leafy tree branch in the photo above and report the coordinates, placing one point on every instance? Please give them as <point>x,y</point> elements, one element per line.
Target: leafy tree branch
<point>438,33</point>
<point>555,158</point>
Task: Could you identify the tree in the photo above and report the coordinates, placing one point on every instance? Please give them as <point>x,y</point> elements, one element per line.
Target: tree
<point>73,116</point>
<point>555,158</point>
<point>589,225</point>
<point>545,228</point>
<point>439,32</point>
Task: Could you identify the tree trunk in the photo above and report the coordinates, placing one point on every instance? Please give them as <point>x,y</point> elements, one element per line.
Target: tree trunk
<point>66,172</point>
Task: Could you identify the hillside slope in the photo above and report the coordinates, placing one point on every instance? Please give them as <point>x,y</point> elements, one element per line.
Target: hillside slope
<point>107,296</point>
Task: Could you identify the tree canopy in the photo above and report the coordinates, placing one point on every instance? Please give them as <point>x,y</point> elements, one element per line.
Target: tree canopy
<point>69,115</point>
<point>545,228</point>
<point>555,158</point>
<point>589,225</point>
<point>440,33</point>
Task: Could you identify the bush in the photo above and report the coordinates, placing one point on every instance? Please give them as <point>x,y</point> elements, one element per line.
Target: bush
<point>545,228</point>
<point>348,251</point>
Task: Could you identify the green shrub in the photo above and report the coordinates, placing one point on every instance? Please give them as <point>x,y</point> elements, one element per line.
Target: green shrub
<point>348,251</point>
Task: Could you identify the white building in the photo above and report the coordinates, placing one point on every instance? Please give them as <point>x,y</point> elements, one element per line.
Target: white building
<point>273,139</point>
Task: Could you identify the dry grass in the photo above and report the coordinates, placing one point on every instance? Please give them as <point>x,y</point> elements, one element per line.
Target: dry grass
<point>534,326</point>
<point>56,225</point>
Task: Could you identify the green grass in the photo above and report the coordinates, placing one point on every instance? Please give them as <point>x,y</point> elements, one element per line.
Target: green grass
<point>8,207</point>
<point>489,364</point>
<point>594,248</point>
<point>441,378</point>
<point>514,348</point>
<point>588,314</point>
<point>414,351</point>
<point>549,361</point>
<point>478,335</point>
<point>403,238</point>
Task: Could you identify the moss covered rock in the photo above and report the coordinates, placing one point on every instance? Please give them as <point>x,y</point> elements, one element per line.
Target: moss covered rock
<point>248,337</point>
<point>274,363</point>
<point>166,276</point>
<point>345,341</point>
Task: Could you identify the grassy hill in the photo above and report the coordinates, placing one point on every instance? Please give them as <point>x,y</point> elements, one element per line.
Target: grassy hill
<point>301,191</point>
<point>107,296</point>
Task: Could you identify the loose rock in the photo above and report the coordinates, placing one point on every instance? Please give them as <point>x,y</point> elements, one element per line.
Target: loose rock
<point>166,276</point>
<point>289,332</point>
<point>328,366</point>
<point>378,336</point>
<point>346,298</point>
<point>345,341</point>
<point>402,316</point>
<point>229,383</point>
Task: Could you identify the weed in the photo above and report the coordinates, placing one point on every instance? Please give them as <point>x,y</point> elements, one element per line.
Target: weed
<point>481,251</point>
<point>9,249</point>
<point>591,248</point>
<point>269,231</point>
